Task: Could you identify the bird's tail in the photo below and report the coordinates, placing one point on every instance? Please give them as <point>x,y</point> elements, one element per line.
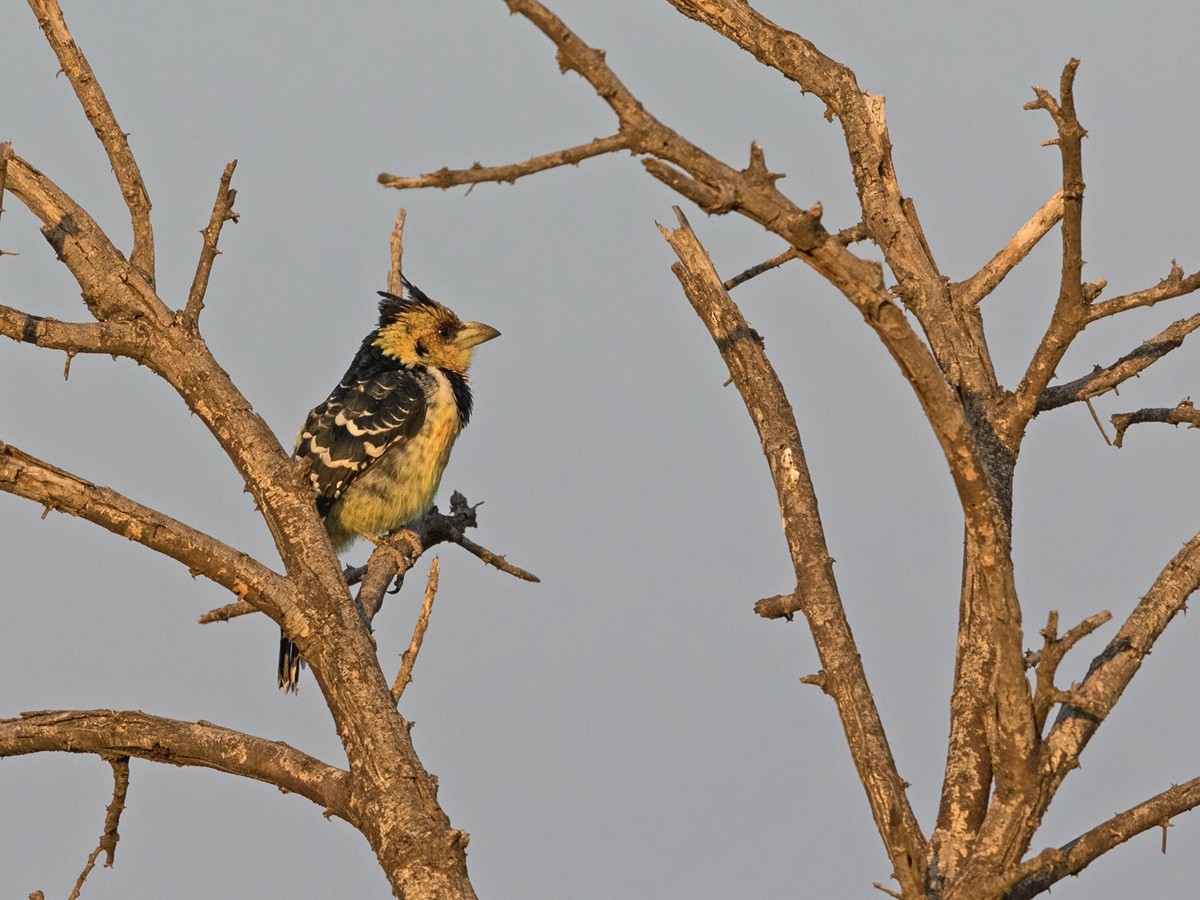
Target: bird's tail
<point>289,665</point>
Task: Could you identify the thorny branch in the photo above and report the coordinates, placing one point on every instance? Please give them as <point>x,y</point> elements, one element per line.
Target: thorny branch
<point>112,818</point>
<point>104,122</point>
<point>222,212</point>
<point>995,727</point>
<point>446,178</point>
<point>1053,651</point>
<point>29,477</point>
<point>844,678</point>
<point>1182,413</point>
<point>397,553</point>
<point>1105,379</point>
<point>1070,314</point>
<point>1036,875</point>
<point>107,732</point>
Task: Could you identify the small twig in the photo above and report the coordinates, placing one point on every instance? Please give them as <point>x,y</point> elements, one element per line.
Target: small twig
<point>888,891</point>
<point>852,235</point>
<point>1174,285</point>
<point>1183,413</point>
<point>987,279</point>
<point>91,97</point>
<point>227,612</point>
<point>1096,419</point>
<point>445,177</point>
<point>409,659</point>
<point>110,837</point>
<point>5,153</point>
<point>394,283</point>
<point>490,558</point>
<point>433,528</point>
<point>222,212</point>
<point>774,262</point>
<point>1072,308</point>
<point>1053,650</point>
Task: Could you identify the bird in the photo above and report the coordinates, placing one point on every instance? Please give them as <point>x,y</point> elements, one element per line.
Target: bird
<point>377,446</point>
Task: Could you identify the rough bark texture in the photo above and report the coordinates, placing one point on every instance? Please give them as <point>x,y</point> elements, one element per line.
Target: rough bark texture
<point>1003,767</point>
<point>1005,759</point>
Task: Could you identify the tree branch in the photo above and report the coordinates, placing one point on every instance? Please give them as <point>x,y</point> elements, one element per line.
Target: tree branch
<point>844,679</point>
<point>972,291</point>
<point>112,288</point>
<point>1102,380</point>
<point>754,271</point>
<point>1183,413</point>
<point>1053,651</point>
<point>447,178</point>
<point>396,553</point>
<point>91,97</point>
<point>1071,310</point>
<point>112,818</point>
<point>54,488</point>
<point>1174,285</point>
<point>108,732</point>
<point>124,337</point>
<point>1050,866</point>
<point>395,284</point>
<point>222,212</point>
<point>1114,667</point>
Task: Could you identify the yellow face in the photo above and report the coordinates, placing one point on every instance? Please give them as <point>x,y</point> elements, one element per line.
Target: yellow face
<point>429,334</point>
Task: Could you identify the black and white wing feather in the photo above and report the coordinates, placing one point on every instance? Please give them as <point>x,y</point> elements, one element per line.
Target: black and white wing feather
<point>357,424</point>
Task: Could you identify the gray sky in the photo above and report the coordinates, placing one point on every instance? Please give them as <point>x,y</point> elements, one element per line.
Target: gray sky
<point>628,728</point>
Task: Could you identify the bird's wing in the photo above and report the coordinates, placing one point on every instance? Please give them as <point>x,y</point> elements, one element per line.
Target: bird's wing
<point>361,419</point>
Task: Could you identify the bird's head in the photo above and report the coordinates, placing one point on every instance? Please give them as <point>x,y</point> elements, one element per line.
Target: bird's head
<point>419,331</point>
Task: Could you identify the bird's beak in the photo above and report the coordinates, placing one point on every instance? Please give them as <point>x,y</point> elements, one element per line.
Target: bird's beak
<point>474,333</point>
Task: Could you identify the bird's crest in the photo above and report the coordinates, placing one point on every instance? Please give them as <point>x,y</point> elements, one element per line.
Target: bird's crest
<point>393,306</point>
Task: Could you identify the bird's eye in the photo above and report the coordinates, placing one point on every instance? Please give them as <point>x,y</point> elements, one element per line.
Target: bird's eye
<point>447,331</point>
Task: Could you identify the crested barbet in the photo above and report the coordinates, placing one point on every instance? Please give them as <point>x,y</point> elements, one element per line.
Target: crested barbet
<point>379,443</point>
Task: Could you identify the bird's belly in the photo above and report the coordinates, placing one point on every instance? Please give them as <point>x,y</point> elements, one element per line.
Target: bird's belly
<point>400,486</point>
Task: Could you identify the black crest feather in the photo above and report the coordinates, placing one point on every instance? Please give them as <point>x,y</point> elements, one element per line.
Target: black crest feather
<point>392,306</point>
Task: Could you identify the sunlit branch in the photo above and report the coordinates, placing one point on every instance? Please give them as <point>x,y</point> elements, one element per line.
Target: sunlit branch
<point>91,96</point>
<point>987,279</point>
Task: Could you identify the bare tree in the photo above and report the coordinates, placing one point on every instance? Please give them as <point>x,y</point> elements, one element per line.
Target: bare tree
<point>1007,754</point>
<point>383,791</point>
